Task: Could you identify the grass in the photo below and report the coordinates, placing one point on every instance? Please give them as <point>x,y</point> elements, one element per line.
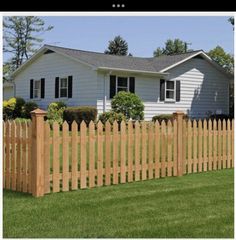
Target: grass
<point>193,206</point>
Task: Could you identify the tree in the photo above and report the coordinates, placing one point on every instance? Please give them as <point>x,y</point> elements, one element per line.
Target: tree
<point>118,46</point>
<point>224,59</point>
<point>231,20</point>
<point>21,38</point>
<point>172,47</point>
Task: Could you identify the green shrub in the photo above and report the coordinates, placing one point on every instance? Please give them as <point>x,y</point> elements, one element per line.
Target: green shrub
<point>20,102</point>
<point>22,120</point>
<point>8,108</point>
<point>111,117</point>
<point>55,112</point>
<point>27,108</point>
<point>129,104</point>
<point>79,114</point>
<point>164,117</point>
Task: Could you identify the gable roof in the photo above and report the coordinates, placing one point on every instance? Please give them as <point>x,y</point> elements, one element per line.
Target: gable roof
<point>101,61</point>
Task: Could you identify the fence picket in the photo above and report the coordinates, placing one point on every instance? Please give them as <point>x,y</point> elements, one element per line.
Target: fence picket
<point>150,150</point>
<point>122,153</point>
<point>91,155</point>
<point>195,136</point>
<point>199,146</point>
<point>7,170</point>
<point>137,151</point>
<point>18,157</point>
<point>29,181</point>
<point>144,150</point>
<point>184,148</point>
<point>169,149</point>
<point>115,152</point>
<point>219,145</point>
<point>108,153</point>
<point>130,151</point>
<point>232,143</point>
<point>214,145</point>
<point>189,146</point>
<point>210,145</point>
<point>13,155</point>
<point>56,161</point>
<point>4,153</point>
<point>74,155</point>
<point>163,148</point>
<point>204,145</point>
<point>24,160</point>
<point>83,155</point>
<point>65,157</point>
<point>46,157</point>
<point>224,143</point>
<point>157,149</point>
<point>228,144</point>
<point>100,154</point>
<point>175,157</point>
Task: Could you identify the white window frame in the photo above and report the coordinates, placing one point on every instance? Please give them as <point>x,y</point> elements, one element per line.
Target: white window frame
<point>117,82</point>
<point>63,87</point>
<point>39,89</point>
<point>170,99</point>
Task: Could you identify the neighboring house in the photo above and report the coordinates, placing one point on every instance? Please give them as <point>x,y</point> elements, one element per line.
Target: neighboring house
<point>8,90</point>
<point>189,82</point>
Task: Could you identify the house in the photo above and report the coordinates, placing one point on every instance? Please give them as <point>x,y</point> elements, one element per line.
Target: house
<point>189,82</point>
<point>8,90</point>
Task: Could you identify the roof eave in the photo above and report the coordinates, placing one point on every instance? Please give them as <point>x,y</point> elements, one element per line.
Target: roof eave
<point>139,72</point>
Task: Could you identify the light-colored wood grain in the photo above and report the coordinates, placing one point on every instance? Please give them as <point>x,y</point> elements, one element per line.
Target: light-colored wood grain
<point>214,144</point>
<point>224,143</point>
<point>130,151</point>
<point>210,145</point>
<point>195,137</point>
<point>13,156</point>
<point>144,150</point>
<point>74,155</point>
<point>175,154</point>
<point>18,157</point>
<point>91,155</point>
<point>83,155</point>
<point>29,181</point>
<point>46,157</point>
<point>108,153</point>
<point>163,148</point>
<point>228,144</point>
<point>157,149</point>
<point>189,146</point>
<point>200,146</point>
<point>4,154</point>
<point>8,157</point>
<point>169,148</point>
<point>184,146</point>
<point>205,143</point>
<point>24,160</point>
<point>150,150</point>
<point>123,153</point>
<point>100,154</point>
<point>137,151</point>
<point>219,145</point>
<point>232,142</point>
<point>56,161</point>
<point>115,152</point>
<point>65,157</point>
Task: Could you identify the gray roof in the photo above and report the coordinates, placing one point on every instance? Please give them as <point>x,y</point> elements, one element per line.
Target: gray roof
<point>154,64</point>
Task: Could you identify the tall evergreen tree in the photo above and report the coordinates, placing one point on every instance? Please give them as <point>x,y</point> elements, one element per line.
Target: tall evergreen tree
<point>118,46</point>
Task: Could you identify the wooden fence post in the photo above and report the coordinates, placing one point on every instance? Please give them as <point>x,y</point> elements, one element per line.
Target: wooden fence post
<point>37,152</point>
<point>179,117</point>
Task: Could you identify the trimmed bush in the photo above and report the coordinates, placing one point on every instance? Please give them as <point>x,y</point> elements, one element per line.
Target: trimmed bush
<point>8,108</point>
<point>79,114</point>
<point>27,108</point>
<point>111,117</point>
<point>55,112</point>
<point>20,102</point>
<point>129,104</point>
<point>166,117</point>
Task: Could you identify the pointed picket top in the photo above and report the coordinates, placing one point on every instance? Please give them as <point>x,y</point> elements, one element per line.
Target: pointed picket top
<point>163,123</point>
<point>55,125</point>
<point>200,123</point>
<point>107,125</point>
<point>100,125</point>
<point>137,125</point>
<point>91,125</point>
<point>115,125</point>
<point>130,125</point>
<point>83,126</point>
<point>46,124</point>
<point>205,123</point>
<point>210,123</point>
<point>224,124</point>
<point>157,124</point>
<point>169,124</point>
<point>228,124</point>
<point>74,126</point>
<point>194,123</point>
<point>123,124</point>
<point>214,123</point>
<point>219,124</point>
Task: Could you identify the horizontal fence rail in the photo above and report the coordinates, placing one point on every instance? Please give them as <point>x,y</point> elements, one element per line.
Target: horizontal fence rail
<point>54,159</point>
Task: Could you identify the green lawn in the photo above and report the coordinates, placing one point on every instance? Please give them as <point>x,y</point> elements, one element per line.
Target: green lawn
<point>193,206</point>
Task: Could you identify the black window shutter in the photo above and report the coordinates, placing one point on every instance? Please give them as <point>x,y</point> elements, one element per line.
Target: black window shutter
<point>42,87</point>
<point>162,90</point>
<point>177,91</point>
<point>57,87</point>
<point>70,85</point>
<point>132,84</point>
<point>112,86</point>
<point>31,88</point>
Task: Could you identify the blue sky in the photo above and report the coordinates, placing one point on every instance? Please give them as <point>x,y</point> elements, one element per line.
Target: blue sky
<point>143,34</point>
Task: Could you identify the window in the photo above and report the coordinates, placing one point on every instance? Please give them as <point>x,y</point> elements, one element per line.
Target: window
<point>63,88</point>
<point>170,91</point>
<point>122,84</point>
<point>37,84</point>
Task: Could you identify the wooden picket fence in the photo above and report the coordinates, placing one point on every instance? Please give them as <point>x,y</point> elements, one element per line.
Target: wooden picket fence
<point>41,160</point>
